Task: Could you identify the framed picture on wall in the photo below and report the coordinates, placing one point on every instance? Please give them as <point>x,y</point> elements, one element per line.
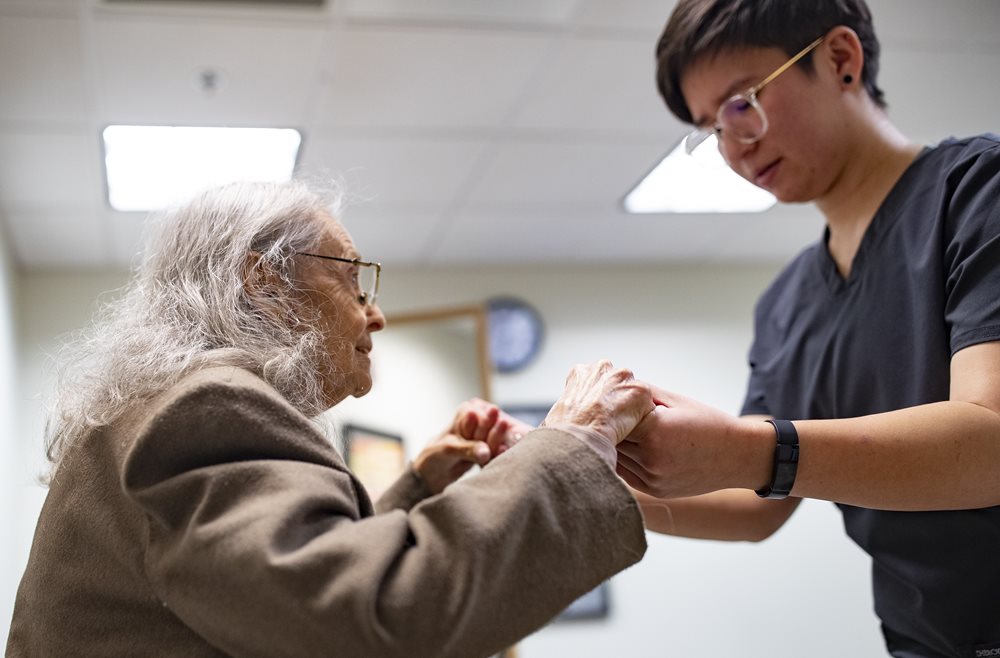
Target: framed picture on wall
<point>595,604</point>
<point>377,458</point>
<point>533,414</point>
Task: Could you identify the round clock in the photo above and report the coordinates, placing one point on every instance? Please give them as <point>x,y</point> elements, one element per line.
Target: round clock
<point>515,333</point>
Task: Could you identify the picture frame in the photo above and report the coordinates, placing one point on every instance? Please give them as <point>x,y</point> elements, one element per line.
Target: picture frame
<point>595,604</point>
<point>532,414</point>
<point>376,457</point>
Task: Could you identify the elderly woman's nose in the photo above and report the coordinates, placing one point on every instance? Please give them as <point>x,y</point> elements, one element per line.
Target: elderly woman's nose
<point>376,319</point>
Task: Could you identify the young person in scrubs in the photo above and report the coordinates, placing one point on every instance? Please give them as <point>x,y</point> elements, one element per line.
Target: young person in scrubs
<point>875,365</point>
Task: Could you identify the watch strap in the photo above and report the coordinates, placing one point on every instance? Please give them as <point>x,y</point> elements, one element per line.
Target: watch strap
<point>786,461</point>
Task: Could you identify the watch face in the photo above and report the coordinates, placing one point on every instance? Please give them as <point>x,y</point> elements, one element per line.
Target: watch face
<point>515,333</point>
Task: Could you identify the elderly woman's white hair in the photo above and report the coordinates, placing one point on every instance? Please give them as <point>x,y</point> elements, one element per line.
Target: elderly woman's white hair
<point>188,306</point>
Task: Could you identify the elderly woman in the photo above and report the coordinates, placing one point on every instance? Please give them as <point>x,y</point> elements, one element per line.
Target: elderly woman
<point>195,508</point>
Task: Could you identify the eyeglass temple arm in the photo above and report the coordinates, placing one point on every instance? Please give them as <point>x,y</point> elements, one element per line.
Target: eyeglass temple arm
<point>784,67</point>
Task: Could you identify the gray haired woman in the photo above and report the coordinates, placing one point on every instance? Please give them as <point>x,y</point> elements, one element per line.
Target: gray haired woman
<point>196,509</point>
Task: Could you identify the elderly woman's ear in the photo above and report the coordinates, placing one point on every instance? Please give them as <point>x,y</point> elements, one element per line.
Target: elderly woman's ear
<point>263,284</point>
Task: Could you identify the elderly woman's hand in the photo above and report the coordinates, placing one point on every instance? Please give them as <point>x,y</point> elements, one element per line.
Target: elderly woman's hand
<point>479,432</point>
<point>603,399</point>
<point>478,420</point>
<point>447,458</point>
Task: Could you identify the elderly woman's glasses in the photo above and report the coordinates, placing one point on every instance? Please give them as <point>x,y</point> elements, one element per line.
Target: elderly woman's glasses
<point>365,276</point>
<point>741,117</point>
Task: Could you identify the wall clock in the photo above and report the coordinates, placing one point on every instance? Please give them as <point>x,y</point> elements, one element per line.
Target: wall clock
<point>515,333</point>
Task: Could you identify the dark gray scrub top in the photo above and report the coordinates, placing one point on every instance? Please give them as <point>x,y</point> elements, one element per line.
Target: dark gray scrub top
<point>925,284</point>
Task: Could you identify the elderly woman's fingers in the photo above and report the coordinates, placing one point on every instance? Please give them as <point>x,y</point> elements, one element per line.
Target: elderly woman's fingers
<point>609,400</point>
<point>474,420</point>
<point>499,437</point>
<point>477,452</point>
<point>456,448</point>
<point>485,424</point>
<point>466,423</point>
<point>447,459</point>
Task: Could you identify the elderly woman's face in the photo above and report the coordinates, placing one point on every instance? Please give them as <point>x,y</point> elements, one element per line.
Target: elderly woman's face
<point>346,323</point>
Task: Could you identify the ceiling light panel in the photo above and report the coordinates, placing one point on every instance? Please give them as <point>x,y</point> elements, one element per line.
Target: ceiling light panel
<point>152,167</point>
<point>696,183</point>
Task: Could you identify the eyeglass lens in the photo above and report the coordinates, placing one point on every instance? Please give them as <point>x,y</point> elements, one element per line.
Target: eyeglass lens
<point>367,282</point>
<point>740,118</point>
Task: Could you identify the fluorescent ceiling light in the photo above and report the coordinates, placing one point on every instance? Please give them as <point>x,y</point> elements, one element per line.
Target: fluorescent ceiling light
<point>700,182</point>
<point>152,167</point>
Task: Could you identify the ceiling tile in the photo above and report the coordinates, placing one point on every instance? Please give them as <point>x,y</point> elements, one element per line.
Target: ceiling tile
<point>58,237</point>
<point>41,70</point>
<point>599,85</point>
<point>45,169</point>
<point>151,72</point>
<point>565,172</point>
<point>773,236</point>
<point>443,78</point>
<point>125,236</point>
<point>646,17</point>
<point>950,97</point>
<point>561,235</point>
<point>475,11</point>
<point>392,237</point>
<point>957,25</point>
<point>413,170</point>
<point>39,7</point>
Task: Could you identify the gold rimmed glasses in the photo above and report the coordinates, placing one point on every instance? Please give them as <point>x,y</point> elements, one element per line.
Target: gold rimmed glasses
<point>741,116</point>
<point>365,276</point>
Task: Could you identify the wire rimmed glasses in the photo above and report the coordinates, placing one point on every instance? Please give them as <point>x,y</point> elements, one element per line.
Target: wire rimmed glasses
<point>741,116</point>
<point>365,276</point>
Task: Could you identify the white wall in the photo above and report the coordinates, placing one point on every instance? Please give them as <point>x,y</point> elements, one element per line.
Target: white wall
<point>681,328</point>
<point>8,435</point>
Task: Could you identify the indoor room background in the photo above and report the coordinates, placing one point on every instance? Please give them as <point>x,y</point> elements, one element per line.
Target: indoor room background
<point>486,148</point>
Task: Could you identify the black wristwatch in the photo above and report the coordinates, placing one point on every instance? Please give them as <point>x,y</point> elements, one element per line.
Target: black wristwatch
<point>786,461</point>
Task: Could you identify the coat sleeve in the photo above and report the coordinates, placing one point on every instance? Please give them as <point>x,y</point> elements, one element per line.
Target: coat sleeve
<point>404,493</point>
<point>256,542</point>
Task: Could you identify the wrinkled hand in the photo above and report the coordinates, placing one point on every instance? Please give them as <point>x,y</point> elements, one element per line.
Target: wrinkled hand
<point>686,448</point>
<point>478,420</point>
<point>447,458</point>
<point>603,399</point>
<point>479,432</point>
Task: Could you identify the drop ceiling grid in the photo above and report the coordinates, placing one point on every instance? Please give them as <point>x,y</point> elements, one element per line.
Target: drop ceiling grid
<point>41,71</point>
<point>534,14</point>
<point>424,173</point>
<point>468,126</point>
<point>51,185</point>
<point>954,94</point>
<point>150,72</point>
<point>598,86</point>
<point>524,124</point>
<point>432,79</point>
<point>643,18</point>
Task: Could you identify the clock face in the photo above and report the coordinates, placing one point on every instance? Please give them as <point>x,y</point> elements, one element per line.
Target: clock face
<point>515,333</point>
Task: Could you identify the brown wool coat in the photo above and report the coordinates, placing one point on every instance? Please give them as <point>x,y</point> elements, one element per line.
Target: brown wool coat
<point>217,520</point>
